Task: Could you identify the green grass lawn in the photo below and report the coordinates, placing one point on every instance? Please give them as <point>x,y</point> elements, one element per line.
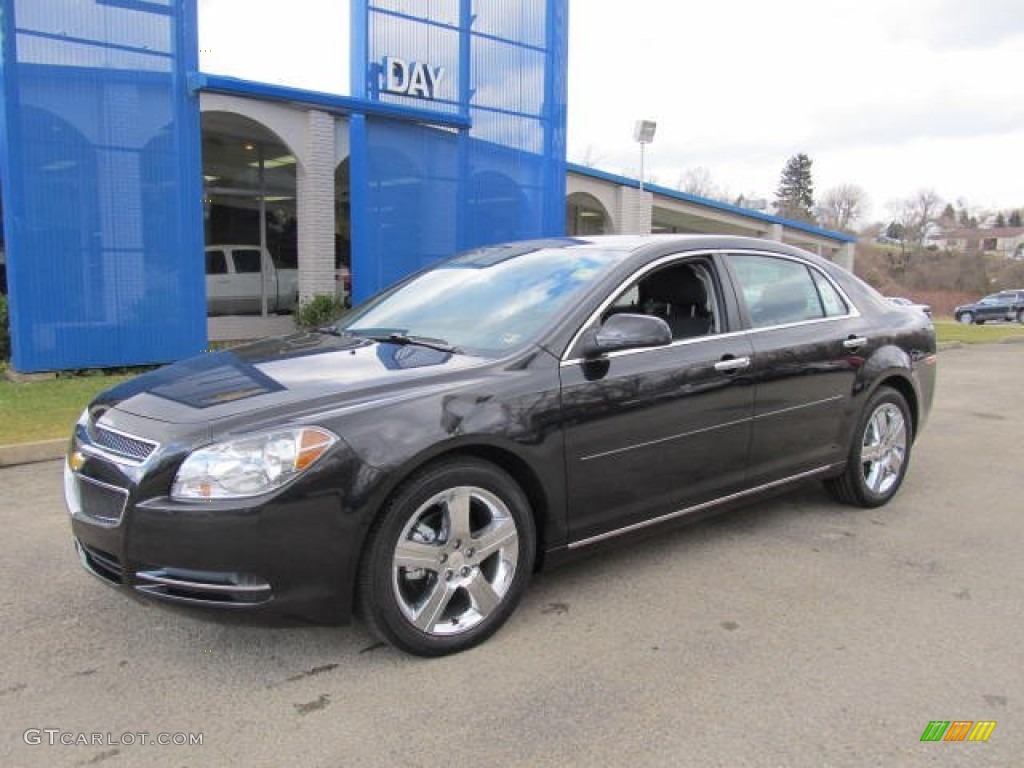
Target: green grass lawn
<point>41,410</point>
<point>950,330</point>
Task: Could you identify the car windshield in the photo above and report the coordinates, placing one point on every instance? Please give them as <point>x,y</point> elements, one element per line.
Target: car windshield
<point>490,301</point>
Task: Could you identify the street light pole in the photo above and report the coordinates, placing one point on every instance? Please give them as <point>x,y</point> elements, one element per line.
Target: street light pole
<point>643,133</point>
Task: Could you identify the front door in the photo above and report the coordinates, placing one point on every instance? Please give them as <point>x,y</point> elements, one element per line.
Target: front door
<point>654,431</point>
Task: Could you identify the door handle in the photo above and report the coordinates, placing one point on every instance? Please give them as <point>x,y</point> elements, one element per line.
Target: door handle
<point>732,364</point>
<point>854,343</point>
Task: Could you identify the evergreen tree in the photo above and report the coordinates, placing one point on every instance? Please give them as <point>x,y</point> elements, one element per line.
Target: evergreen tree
<point>795,196</point>
<point>948,218</point>
<point>1000,220</point>
<point>1015,219</point>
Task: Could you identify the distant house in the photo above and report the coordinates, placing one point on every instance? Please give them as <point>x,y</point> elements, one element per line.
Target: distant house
<point>1005,241</point>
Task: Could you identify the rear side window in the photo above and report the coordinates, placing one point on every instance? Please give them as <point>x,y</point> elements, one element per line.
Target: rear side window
<point>780,291</point>
<point>831,301</point>
<point>216,264</point>
<point>247,260</point>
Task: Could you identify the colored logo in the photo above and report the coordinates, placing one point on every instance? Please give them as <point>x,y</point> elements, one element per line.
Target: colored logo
<point>958,730</point>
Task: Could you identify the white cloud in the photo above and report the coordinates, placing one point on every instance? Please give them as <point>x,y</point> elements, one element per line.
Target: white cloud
<point>891,96</point>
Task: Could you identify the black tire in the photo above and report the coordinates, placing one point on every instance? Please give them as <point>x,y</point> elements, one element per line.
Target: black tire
<point>460,581</point>
<point>880,452</point>
<point>967,318</point>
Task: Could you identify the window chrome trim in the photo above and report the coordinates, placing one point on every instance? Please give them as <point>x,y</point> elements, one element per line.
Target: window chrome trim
<point>852,311</point>
<point>697,508</point>
<point>612,295</point>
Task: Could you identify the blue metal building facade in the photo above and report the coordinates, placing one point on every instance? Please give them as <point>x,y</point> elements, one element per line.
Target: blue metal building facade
<point>101,182</point>
<point>421,191</point>
<point>101,167</point>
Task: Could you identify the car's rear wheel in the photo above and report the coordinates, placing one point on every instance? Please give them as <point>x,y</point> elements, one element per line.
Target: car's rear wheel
<point>966,318</point>
<point>880,453</point>
<point>448,559</point>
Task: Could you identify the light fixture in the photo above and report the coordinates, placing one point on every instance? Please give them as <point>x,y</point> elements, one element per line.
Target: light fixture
<point>643,133</point>
<point>274,162</point>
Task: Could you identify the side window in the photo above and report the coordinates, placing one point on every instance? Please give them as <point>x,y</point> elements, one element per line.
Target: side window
<point>247,260</point>
<point>682,294</point>
<point>215,263</point>
<point>776,291</point>
<point>830,298</point>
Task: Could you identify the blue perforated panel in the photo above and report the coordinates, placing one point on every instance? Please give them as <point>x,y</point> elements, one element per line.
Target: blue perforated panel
<point>424,191</point>
<point>101,182</point>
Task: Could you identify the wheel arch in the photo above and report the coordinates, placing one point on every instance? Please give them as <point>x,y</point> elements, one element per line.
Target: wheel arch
<point>519,469</point>
<point>905,387</point>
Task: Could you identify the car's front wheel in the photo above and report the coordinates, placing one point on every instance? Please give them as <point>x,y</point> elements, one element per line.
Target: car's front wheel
<point>448,559</point>
<point>880,453</point>
<point>1020,316</point>
<point>966,318</point>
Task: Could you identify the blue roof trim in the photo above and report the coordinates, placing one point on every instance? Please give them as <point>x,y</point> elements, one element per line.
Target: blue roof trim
<point>625,181</point>
<point>327,101</point>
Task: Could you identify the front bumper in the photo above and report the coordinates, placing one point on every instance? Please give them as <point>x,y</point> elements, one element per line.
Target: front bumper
<point>293,553</point>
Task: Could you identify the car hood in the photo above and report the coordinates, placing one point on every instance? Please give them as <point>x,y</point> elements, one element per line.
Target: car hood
<point>304,371</point>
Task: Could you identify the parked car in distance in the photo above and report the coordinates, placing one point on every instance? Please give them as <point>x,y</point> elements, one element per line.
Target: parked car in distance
<point>900,301</point>
<point>235,280</point>
<point>1005,305</point>
<point>493,414</point>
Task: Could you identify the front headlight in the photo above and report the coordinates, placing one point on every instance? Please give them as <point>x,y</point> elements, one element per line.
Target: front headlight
<point>250,466</point>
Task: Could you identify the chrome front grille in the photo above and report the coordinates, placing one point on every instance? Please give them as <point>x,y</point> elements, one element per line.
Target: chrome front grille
<point>93,499</point>
<point>125,446</point>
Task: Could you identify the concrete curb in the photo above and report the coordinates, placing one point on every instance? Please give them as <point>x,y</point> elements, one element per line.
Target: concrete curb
<point>29,453</point>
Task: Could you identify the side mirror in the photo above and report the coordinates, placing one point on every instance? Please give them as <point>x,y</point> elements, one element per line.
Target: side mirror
<point>626,331</point>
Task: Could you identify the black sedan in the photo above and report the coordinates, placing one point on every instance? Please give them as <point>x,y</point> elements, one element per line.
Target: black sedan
<point>498,412</point>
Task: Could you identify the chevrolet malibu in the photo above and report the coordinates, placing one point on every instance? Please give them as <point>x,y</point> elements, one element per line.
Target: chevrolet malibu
<point>498,412</point>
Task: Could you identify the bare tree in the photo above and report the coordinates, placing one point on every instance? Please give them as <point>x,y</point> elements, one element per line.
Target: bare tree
<point>918,213</point>
<point>843,206</point>
<point>697,181</point>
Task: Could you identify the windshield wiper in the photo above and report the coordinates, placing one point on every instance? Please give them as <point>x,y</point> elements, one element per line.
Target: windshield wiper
<point>405,339</point>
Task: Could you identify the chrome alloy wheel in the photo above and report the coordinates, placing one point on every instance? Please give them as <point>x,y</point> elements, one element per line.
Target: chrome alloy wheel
<point>455,560</point>
<point>883,448</point>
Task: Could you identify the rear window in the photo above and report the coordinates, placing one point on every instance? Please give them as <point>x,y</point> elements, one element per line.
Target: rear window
<point>247,260</point>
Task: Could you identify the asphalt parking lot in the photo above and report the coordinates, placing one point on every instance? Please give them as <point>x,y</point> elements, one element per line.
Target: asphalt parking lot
<point>793,632</point>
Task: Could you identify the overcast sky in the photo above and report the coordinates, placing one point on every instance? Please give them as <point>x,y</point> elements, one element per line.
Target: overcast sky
<point>892,95</point>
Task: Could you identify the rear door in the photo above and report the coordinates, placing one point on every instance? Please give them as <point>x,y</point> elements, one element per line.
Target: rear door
<point>808,343</point>
<point>246,283</point>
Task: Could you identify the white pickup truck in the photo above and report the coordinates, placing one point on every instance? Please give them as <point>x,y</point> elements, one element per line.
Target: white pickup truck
<point>235,275</point>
